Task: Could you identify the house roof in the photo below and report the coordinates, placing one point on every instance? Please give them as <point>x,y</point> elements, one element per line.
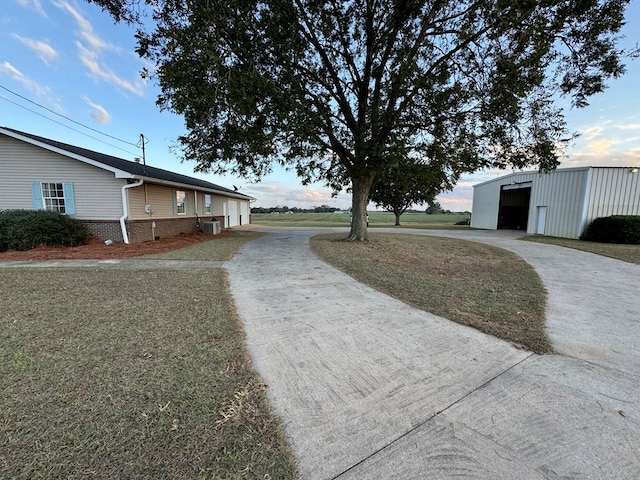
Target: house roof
<point>120,167</point>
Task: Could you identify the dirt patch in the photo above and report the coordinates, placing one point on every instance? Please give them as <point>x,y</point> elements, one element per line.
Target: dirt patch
<point>97,250</point>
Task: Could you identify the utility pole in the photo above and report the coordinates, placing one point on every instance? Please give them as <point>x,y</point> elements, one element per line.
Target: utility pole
<point>144,160</point>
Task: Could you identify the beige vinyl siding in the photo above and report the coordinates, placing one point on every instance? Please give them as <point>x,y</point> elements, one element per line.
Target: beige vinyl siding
<point>160,198</point>
<point>96,191</point>
<point>218,205</point>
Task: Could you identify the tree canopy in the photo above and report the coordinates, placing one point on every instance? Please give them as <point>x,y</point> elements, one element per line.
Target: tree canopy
<point>335,89</point>
<point>405,183</point>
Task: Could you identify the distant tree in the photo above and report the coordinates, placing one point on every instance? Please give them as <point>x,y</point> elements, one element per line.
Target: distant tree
<point>407,183</point>
<point>337,89</point>
<point>434,208</point>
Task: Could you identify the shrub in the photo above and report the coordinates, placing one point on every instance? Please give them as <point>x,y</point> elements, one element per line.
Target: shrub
<point>614,229</point>
<point>27,229</point>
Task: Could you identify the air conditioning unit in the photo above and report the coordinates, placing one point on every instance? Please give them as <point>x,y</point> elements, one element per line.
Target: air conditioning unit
<point>211,228</point>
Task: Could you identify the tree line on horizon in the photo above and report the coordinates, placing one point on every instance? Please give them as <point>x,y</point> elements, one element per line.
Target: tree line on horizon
<point>432,209</point>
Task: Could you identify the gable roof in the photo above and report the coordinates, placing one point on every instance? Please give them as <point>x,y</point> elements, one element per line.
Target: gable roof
<point>120,167</point>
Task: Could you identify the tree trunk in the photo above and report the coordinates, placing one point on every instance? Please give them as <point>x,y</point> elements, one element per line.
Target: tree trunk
<point>397,218</point>
<point>360,199</point>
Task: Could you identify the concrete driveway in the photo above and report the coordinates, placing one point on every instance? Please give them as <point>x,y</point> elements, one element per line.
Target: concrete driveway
<point>370,387</point>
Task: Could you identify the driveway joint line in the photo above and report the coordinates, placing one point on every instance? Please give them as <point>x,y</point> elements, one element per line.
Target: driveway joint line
<point>424,422</point>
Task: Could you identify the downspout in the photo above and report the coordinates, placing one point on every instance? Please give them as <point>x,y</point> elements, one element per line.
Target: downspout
<point>125,209</point>
<point>195,207</point>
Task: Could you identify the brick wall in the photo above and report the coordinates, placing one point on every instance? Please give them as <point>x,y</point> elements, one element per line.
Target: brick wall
<point>141,230</point>
<point>106,230</point>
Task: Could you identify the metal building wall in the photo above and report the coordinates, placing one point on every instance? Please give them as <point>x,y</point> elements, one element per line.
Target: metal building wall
<point>486,199</point>
<point>612,191</point>
<point>562,192</point>
<point>573,198</point>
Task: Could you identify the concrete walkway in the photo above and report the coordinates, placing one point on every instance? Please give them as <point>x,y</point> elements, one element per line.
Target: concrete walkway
<point>370,387</point>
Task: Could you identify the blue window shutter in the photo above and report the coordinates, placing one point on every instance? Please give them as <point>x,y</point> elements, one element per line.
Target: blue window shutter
<point>69,200</point>
<point>175,203</point>
<point>36,192</point>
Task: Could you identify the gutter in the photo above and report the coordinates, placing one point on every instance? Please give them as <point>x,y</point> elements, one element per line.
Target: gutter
<point>125,209</point>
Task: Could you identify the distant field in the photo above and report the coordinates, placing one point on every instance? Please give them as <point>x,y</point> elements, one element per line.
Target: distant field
<point>376,219</point>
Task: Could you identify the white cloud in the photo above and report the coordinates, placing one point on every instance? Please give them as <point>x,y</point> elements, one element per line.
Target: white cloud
<point>10,71</point>
<point>99,113</point>
<point>273,193</point>
<point>90,48</point>
<point>86,30</point>
<point>43,50</point>
<point>33,5</point>
<point>589,133</point>
<point>90,60</point>
<point>630,126</point>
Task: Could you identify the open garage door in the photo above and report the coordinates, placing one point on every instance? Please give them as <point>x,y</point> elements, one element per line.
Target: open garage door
<point>513,212</point>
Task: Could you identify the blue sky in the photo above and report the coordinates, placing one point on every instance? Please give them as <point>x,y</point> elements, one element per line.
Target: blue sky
<point>68,56</point>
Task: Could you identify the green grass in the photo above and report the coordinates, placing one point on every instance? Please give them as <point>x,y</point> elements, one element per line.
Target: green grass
<point>626,253</point>
<point>470,283</point>
<point>214,250</point>
<point>130,373</point>
<point>376,219</point>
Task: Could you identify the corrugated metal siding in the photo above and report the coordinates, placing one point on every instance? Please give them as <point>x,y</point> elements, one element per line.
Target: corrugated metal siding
<point>486,199</point>
<point>563,193</point>
<point>97,192</point>
<point>574,197</point>
<point>613,191</point>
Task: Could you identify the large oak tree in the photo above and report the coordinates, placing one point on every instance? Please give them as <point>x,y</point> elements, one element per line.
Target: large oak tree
<point>334,89</point>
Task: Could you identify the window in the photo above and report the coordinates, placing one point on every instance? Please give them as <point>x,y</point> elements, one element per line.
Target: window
<point>54,196</point>
<point>207,203</point>
<point>180,202</point>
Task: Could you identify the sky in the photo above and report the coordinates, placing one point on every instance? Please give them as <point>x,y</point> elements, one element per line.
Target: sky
<point>67,58</point>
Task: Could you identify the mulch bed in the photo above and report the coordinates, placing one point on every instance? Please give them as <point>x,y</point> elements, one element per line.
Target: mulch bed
<point>97,250</point>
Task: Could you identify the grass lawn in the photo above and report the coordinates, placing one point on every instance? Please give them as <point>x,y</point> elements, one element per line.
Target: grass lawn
<point>213,250</point>
<point>626,253</point>
<point>130,373</point>
<point>376,219</point>
<point>474,284</point>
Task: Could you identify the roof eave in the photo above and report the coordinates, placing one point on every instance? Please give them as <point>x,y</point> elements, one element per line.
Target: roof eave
<point>188,186</point>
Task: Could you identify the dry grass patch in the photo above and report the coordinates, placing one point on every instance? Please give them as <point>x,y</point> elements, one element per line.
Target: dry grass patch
<point>626,253</point>
<point>212,250</point>
<point>474,284</point>
<point>130,373</point>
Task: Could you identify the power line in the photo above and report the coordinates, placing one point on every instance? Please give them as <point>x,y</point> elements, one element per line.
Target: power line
<point>67,126</point>
<point>66,118</point>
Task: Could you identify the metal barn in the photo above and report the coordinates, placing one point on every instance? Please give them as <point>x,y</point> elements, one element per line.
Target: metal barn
<point>559,204</point>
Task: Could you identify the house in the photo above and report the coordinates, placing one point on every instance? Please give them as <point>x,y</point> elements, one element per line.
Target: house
<point>561,203</point>
<point>117,199</point>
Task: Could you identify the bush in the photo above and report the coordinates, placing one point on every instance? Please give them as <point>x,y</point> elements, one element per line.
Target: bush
<point>614,229</point>
<point>27,229</point>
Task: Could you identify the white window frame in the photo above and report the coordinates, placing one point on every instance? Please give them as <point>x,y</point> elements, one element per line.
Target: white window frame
<point>207,203</point>
<point>56,202</point>
<point>181,204</point>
